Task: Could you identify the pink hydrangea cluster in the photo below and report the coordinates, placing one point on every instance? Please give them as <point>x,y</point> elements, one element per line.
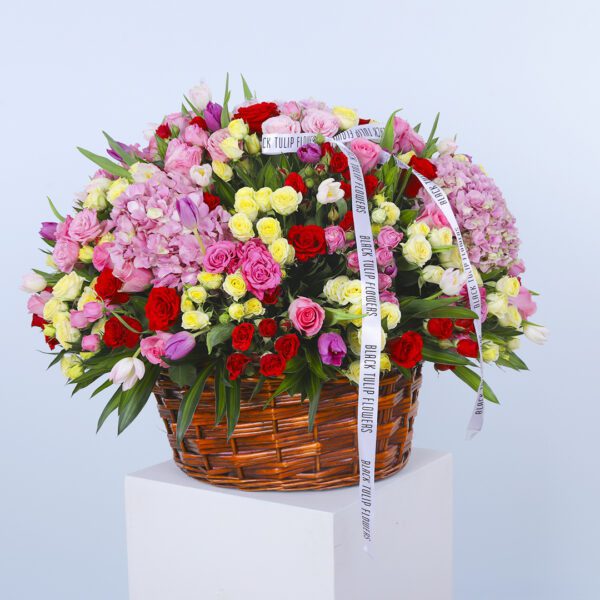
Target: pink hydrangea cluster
<point>489,227</point>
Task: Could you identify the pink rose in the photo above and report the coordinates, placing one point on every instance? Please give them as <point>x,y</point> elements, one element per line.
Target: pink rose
<point>78,319</point>
<point>384,281</point>
<point>180,156</point>
<point>65,254</point>
<point>290,109</point>
<point>221,256</point>
<point>281,124</point>
<point>195,136</point>
<point>388,237</point>
<point>384,256</point>
<point>177,119</point>
<point>320,121</point>
<point>259,269</point>
<point>406,138</point>
<point>387,296</point>
<point>335,237</point>
<point>135,280</point>
<point>306,316</point>
<point>367,153</point>
<point>352,261</point>
<point>85,226</point>
<point>432,215</point>
<point>214,145</point>
<point>101,256</point>
<point>36,303</point>
<point>516,269</point>
<point>153,348</point>
<point>90,343</point>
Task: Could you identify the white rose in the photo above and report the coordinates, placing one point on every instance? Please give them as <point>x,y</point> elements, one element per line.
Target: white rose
<point>452,282</point>
<point>68,287</point>
<point>201,175</point>
<point>378,216</point>
<point>446,146</point>
<point>440,237</point>
<point>417,250</point>
<point>391,312</point>
<point>497,304</point>
<point>418,228</point>
<point>509,286</point>
<point>329,191</point>
<point>536,333</point>
<point>432,273</point>
<point>33,283</point>
<point>450,258</point>
<point>334,289</point>
<point>200,95</point>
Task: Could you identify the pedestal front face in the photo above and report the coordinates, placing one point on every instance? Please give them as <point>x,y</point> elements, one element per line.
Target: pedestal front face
<point>190,540</point>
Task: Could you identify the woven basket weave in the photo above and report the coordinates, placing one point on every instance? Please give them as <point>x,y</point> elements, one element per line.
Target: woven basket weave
<point>272,449</point>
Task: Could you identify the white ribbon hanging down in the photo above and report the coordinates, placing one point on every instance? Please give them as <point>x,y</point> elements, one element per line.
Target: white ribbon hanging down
<point>374,133</point>
<point>370,348</point>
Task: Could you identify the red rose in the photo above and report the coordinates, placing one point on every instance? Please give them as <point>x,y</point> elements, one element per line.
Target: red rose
<point>272,365</point>
<point>346,175</point>
<point>440,367</point>
<point>347,188</point>
<point>287,345</point>
<point>197,120</point>
<point>272,296</point>
<point>256,114</point>
<point>236,363</point>
<point>440,328</point>
<point>211,201</point>
<point>371,184</point>
<point>108,286</point>
<point>241,336</point>
<point>162,308</point>
<point>468,348</point>
<point>116,334</point>
<point>423,166</point>
<point>338,163</point>
<point>267,328</point>
<point>347,221</point>
<point>294,180</point>
<point>406,351</point>
<point>307,240</point>
<point>466,324</point>
<point>163,131</point>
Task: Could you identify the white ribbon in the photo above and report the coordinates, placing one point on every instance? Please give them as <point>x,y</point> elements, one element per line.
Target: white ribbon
<point>370,348</point>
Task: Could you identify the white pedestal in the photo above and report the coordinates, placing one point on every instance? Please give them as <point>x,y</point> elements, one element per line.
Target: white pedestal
<point>191,540</point>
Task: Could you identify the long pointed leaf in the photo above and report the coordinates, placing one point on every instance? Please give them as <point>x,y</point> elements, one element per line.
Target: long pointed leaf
<point>188,405</point>
<point>135,399</point>
<point>233,407</point>
<point>110,407</point>
<point>472,380</point>
<point>106,164</point>
<point>54,210</point>
<point>247,91</point>
<point>387,141</point>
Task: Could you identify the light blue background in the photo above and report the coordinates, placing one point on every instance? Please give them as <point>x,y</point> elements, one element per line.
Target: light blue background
<point>517,80</point>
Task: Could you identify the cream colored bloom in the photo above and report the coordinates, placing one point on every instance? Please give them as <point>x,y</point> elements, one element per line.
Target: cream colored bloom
<point>68,287</point>
<point>222,170</point>
<point>211,281</point>
<point>197,294</point>
<point>509,286</point>
<point>194,320</point>
<point>511,318</point>
<point>231,148</point>
<point>236,311</point>
<point>418,228</point>
<point>268,229</point>
<point>86,254</point>
<point>329,191</point>
<point>53,307</point>
<point>385,365</point>
<point>282,251</point>
<point>391,312</point>
<point>65,333</point>
<point>405,158</point>
<point>352,292</point>
<point>71,366</point>
<point>334,289</point>
<point>141,172</point>
<point>346,116</point>
<point>490,351</point>
<point>353,337</point>
<point>285,200</point>
<point>379,216</point>
<point>450,258</point>
<point>263,198</point>
<point>238,129</point>
<point>201,174</point>
<point>240,226</point>
<point>356,309</point>
<point>440,237</point>
<point>353,372</point>
<point>252,144</point>
<point>253,308</point>
<point>417,250</point>
<point>392,213</point>
<point>117,187</point>
<point>245,203</point>
<point>497,304</point>
<point>186,302</point>
<point>536,333</point>
<point>234,285</point>
<point>95,199</point>
<point>432,273</point>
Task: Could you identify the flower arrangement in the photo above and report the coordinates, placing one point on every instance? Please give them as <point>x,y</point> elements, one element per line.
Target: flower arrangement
<point>198,255</point>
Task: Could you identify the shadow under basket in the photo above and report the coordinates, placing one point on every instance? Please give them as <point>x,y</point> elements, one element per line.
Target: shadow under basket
<point>272,448</point>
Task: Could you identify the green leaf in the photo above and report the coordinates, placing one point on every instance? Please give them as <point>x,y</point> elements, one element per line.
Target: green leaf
<point>407,216</point>
<point>509,359</point>
<point>161,146</point>
<point>233,407</point>
<point>290,381</point>
<point>257,387</point>
<point>225,191</point>
<point>387,141</point>
<point>183,375</point>
<point>56,359</point>
<point>314,394</point>
<point>126,157</point>
<point>220,393</point>
<point>218,334</point>
<point>472,380</point>
<point>246,178</point>
<point>445,357</point>
<point>339,315</point>
<point>198,113</point>
<point>101,388</point>
<point>133,400</point>
<point>188,405</point>
<point>110,407</point>
<point>106,164</point>
<point>225,118</point>
<point>315,364</point>
<point>452,312</point>
<point>247,91</point>
<point>54,211</point>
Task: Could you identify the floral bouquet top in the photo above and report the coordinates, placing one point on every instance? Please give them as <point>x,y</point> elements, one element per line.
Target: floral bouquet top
<point>197,255</point>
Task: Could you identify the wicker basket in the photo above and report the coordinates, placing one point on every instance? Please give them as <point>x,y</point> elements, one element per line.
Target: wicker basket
<point>272,449</point>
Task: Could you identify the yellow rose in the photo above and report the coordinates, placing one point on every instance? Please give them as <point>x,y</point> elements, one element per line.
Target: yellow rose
<point>497,304</point>
<point>385,365</point>
<point>231,148</point>
<point>238,129</point>
<point>391,312</point>
<point>509,286</point>
<point>194,320</point>
<point>197,293</point>
<point>236,311</point>
<point>282,251</point>
<point>222,170</point>
<point>285,200</point>
<point>263,198</point>
<point>432,273</point>
<point>240,226</point>
<point>418,228</point>
<point>511,318</point>
<point>405,158</point>
<point>353,336</point>
<point>334,289</point>
<point>490,351</point>
<point>268,229</point>
<point>352,292</point>
<point>252,144</point>
<point>392,212</point>
<point>253,308</point>
<point>86,253</point>
<point>356,309</point>
<point>186,302</point>
<point>49,330</point>
<point>117,187</point>
<point>95,199</point>
<point>65,333</point>
<point>235,286</point>
<point>441,236</point>
<point>346,116</point>
<point>353,372</point>
<point>107,237</point>
<point>245,203</point>
<point>52,308</point>
<point>71,366</point>
<point>417,250</point>
<point>211,281</point>
<point>379,216</point>
<point>68,287</point>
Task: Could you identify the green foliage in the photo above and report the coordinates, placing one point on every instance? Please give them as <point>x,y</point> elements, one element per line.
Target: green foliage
<point>472,380</point>
<point>225,118</point>
<point>132,401</point>
<point>107,164</point>
<point>126,157</point>
<point>183,374</point>
<point>54,211</point>
<point>387,141</point>
<point>190,402</point>
<point>218,334</point>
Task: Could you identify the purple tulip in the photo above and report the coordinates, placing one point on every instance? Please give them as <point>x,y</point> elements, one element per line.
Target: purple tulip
<point>332,349</point>
<point>179,345</point>
<point>188,212</point>
<point>212,116</point>
<point>48,230</point>
<point>309,153</point>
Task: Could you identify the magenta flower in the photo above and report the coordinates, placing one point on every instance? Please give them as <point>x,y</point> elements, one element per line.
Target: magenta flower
<point>309,153</point>
<point>306,316</point>
<point>259,269</point>
<point>212,116</point>
<point>332,349</point>
<point>48,230</point>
